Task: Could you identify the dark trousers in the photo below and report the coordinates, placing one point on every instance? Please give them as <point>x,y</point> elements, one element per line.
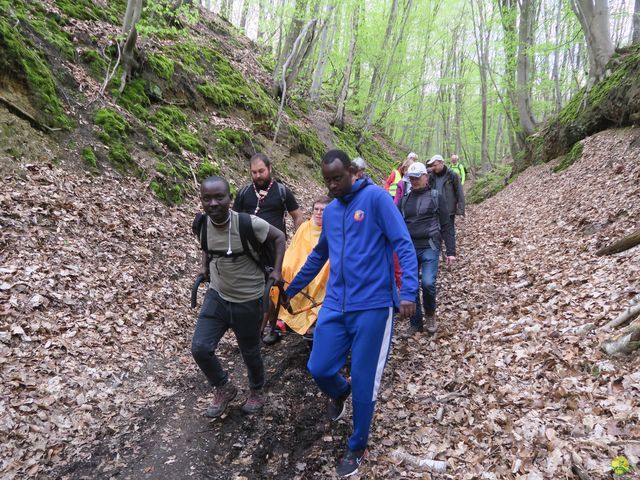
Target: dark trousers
<point>216,317</point>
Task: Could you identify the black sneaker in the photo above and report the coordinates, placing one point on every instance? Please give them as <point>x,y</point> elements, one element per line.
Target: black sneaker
<point>350,462</point>
<point>338,406</point>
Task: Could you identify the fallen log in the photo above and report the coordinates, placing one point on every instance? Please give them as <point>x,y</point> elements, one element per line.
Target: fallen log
<point>621,245</point>
<point>625,343</point>
<point>625,317</point>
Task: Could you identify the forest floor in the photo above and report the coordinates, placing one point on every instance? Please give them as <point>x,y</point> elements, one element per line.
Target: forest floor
<point>97,379</point>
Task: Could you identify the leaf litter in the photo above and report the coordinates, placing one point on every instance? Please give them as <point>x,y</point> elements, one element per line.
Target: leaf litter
<point>95,331</point>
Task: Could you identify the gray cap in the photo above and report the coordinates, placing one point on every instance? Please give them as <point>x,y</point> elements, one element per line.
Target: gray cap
<point>412,155</point>
<point>434,159</point>
<point>359,163</point>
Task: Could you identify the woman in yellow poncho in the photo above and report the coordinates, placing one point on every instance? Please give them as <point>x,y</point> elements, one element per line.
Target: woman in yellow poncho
<point>302,243</point>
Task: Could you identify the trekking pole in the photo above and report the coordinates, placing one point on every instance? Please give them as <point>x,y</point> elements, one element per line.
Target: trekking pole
<point>194,290</point>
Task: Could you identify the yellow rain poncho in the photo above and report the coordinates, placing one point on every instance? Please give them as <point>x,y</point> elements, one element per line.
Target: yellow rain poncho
<point>302,243</point>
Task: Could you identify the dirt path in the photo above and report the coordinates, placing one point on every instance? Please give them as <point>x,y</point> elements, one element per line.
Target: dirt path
<point>172,439</point>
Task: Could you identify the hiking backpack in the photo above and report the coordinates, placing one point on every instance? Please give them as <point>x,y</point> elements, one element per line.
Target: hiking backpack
<point>247,237</point>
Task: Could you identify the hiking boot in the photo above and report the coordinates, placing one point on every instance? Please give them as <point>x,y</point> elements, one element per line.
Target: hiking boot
<point>350,462</point>
<point>337,407</point>
<point>411,331</point>
<point>221,398</point>
<point>255,401</point>
<point>430,323</point>
<point>271,338</point>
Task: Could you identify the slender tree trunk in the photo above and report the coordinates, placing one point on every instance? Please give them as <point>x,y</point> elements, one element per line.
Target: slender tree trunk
<point>374,95</point>
<point>338,119</point>
<point>636,23</point>
<point>128,46</point>
<point>326,39</point>
<point>525,36</point>
<point>593,16</point>
<point>244,13</point>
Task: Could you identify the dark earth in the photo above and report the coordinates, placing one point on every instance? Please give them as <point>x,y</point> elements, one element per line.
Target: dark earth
<point>291,438</point>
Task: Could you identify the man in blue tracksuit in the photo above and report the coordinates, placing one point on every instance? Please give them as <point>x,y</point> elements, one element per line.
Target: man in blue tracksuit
<point>357,313</point>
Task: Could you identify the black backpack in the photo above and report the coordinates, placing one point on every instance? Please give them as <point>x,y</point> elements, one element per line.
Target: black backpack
<point>247,237</point>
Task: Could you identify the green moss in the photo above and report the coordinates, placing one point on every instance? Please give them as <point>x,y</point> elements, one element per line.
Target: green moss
<point>114,134</point>
<point>569,159</point>
<point>20,57</point>
<point>134,99</point>
<point>206,169</point>
<point>571,110</point>
<point>490,184</point>
<point>89,157</point>
<point>379,162</point>
<point>168,192</point>
<point>228,140</point>
<point>308,142</point>
<point>171,124</point>
<point>90,10</point>
<point>191,57</point>
<point>97,64</point>
<point>50,30</point>
<point>114,127</point>
<point>190,142</point>
<point>161,65</point>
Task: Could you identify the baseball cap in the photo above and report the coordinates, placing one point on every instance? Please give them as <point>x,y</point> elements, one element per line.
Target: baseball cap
<point>412,155</point>
<point>359,163</point>
<point>417,169</point>
<point>434,159</point>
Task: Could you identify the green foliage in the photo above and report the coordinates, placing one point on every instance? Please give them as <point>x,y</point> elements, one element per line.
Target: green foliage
<point>379,162</point>
<point>490,184</point>
<point>308,142</point>
<point>161,65</point>
<point>569,159</point>
<point>89,157</point>
<point>134,98</point>
<point>24,60</point>
<point>171,123</point>
<point>166,18</point>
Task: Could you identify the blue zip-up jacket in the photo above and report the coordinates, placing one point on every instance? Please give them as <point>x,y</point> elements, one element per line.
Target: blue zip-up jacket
<point>360,232</point>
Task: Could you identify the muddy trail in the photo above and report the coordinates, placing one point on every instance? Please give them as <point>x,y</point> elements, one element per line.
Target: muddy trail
<point>173,439</point>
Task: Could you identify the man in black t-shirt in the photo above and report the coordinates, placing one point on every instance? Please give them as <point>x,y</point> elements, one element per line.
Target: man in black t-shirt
<point>267,198</point>
<point>270,200</point>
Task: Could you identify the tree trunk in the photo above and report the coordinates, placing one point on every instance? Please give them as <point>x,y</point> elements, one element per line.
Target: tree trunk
<point>593,16</point>
<point>338,119</point>
<point>326,39</point>
<point>525,36</point>
<point>374,96</point>
<point>244,13</point>
<point>128,46</point>
<point>297,22</point>
<point>636,23</point>
<point>621,245</point>
<point>625,343</point>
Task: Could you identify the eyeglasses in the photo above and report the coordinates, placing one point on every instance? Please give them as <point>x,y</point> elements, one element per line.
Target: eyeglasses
<point>318,209</point>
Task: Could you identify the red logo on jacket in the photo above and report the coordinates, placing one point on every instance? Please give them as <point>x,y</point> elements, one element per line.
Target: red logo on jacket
<point>358,216</point>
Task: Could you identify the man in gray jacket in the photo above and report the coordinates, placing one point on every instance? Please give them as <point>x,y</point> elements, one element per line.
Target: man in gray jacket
<point>448,185</point>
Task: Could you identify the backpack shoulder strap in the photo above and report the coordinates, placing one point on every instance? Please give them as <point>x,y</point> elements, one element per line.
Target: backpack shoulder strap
<point>282,190</point>
<point>403,202</point>
<point>243,191</point>
<point>248,237</point>
<point>199,229</point>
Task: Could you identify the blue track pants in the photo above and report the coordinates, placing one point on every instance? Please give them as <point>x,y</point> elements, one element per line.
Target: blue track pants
<point>367,334</point>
